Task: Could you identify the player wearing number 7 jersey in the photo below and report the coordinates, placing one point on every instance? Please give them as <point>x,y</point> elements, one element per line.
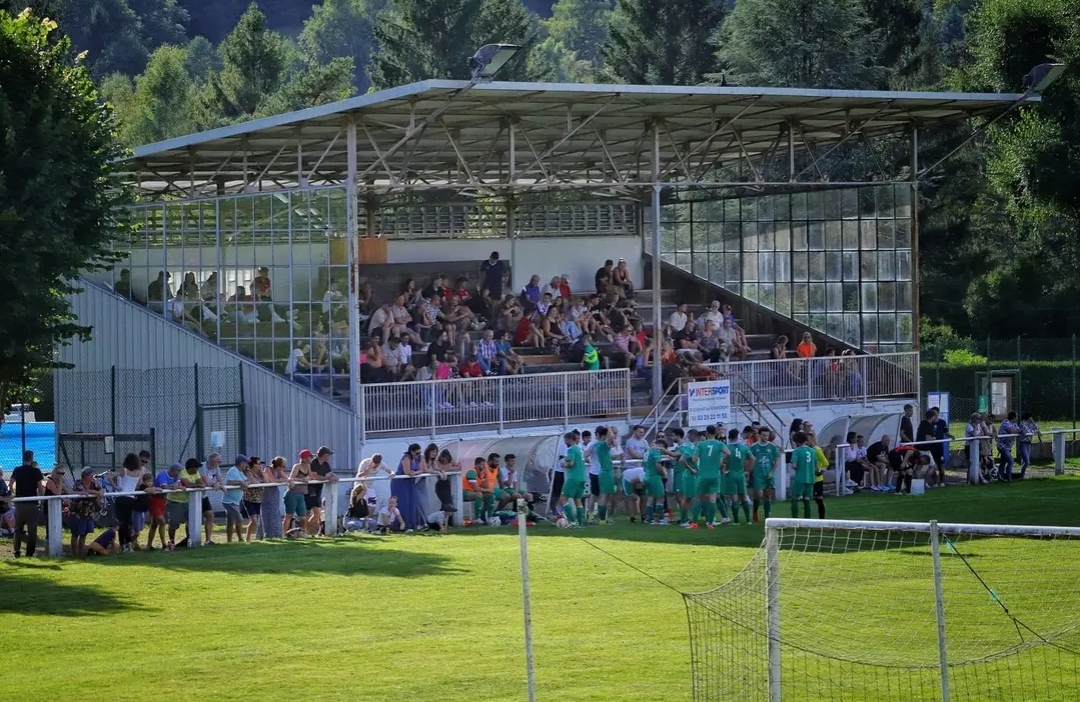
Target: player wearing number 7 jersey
<point>711,453</point>
<point>739,462</point>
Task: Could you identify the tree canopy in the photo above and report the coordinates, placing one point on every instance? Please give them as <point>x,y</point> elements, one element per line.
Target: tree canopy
<point>662,43</point>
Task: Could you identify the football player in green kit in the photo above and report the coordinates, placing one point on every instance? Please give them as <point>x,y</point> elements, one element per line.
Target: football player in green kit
<point>734,477</point>
<point>573,492</point>
<point>655,475</point>
<point>605,442</point>
<point>711,453</point>
<point>804,460</point>
<point>686,476</point>
<point>763,477</point>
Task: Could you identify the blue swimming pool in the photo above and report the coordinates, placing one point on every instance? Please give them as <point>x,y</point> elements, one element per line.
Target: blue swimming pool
<point>40,438</point>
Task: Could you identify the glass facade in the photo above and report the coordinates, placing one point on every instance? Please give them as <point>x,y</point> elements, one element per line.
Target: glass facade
<point>839,261</point>
<point>264,275</point>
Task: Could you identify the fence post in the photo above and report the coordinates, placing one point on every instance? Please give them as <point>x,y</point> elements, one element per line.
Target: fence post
<point>361,412</point>
<point>838,461</point>
<point>1019,378</point>
<point>809,383</point>
<point>112,409</point>
<point>153,450</point>
<point>772,605</point>
<point>974,468</point>
<point>502,402</point>
<point>330,512</point>
<point>198,423</point>
<point>55,517</point>
<point>194,519</point>
<point>939,602</point>
<point>566,400</point>
<point>459,497</point>
<point>1058,445</point>
<point>1074,381</point>
<point>434,407</point>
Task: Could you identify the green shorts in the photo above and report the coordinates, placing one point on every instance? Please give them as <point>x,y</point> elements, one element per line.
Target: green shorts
<point>636,490</point>
<point>734,484</point>
<point>607,482</point>
<point>803,491</point>
<point>573,489</point>
<point>503,493</point>
<point>689,484</point>
<point>707,486</point>
<point>761,480</point>
<point>294,504</point>
<point>654,486</point>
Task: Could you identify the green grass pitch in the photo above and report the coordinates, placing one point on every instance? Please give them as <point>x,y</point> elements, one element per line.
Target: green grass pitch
<point>409,617</point>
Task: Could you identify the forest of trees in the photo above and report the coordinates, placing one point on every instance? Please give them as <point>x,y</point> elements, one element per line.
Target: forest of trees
<point>1000,221</point>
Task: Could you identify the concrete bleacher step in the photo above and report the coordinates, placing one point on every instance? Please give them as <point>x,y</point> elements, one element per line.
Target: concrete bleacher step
<point>538,368</point>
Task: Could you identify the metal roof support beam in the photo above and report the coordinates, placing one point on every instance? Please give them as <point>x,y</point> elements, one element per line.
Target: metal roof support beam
<point>462,162</point>
<point>325,153</point>
<point>745,158</point>
<point>600,138</point>
<point>809,146</point>
<point>380,157</point>
<point>569,135</point>
<point>857,132</point>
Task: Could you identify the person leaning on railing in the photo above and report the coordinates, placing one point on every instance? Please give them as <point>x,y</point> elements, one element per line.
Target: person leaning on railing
<point>83,510</point>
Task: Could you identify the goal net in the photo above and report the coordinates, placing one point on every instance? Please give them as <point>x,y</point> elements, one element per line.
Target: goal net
<point>875,611</point>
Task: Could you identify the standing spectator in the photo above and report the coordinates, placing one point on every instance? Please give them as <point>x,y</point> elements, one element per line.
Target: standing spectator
<point>211,476</point>
<point>1028,429</point>
<point>253,497</point>
<point>907,431</point>
<point>235,482</point>
<point>404,490</point>
<point>163,481</point>
<point>806,348</point>
<point>177,510</point>
<point>379,474</point>
<point>297,502</point>
<point>271,517</point>
<point>127,481</point>
<point>26,482</point>
<point>83,510</point>
<point>493,274</point>
<point>1005,440</point>
<point>141,507</point>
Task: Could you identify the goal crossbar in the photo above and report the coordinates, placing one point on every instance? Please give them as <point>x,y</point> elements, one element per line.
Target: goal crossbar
<point>924,527</point>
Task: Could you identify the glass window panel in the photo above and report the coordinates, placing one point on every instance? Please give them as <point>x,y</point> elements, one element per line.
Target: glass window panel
<point>886,234</point>
<point>902,204</point>
<point>802,319</point>
<point>833,235</point>
<point>867,206</point>
<point>765,208</point>
<point>732,236</point>
<point>869,299</point>
<point>868,237</point>
<point>815,206</point>
<point>748,208</point>
<point>851,234</point>
<point>851,329</point>
<point>715,237</point>
<point>782,208</point>
<point>799,206</point>
<point>750,266</point>
<point>903,233</point>
<point>904,328</point>
<point>732,210</point>
<point>885,200</point>
<point>682,260</point>
<point>699,265</point>
<point>817,265</point>
<point>767,295</point>
<point>716,267</point>
<point>886,297</point>
<point>699,236</point>
<point>783,298</point>
<point>799,240</point>
<point>903,265</point>
<point>886,265</point>
<point>851,297</point>
<point>799,266</point>
<point>903,297</point>
<point>817,297</point>
<point>850,264</point>
<point>766,267</point>
<point>835,326</point>
<point>849,202</point>
<point>815,234</point>
<point>869,329</point>
<point>833,265</point>
<point>783,267</point>
<point>750,291</point>
<point>766,236</point>
<point>732,269</point>
<point>750,236</point>
<point>887,328</point>
<point>782,234</point>
<point>868,265</point>
<point>800,300</point>
<point>831,199</point>
<point>834,297</point>
<point>682,238</point>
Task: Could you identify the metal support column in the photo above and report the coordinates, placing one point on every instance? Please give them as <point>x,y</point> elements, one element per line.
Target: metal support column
<point>654,252</point>
<point>939,602</point>
<point>352,209</point>
<point>915,243</point>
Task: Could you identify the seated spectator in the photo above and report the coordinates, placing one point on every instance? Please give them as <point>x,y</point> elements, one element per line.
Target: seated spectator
<point>510,362</point>
<point>604,279</point>
<point>712,316</point>
<point>426,321</point>
<point>877,455</point>
<point>470,368</point>
<point>554,288</point>
<point>442,345</point>
<point>530,294</point>
<point>390,518</point>
<point>709,345</point>
<point>397,359</point>
<point>372,368</point>
<point>854,468</point>
<point>904,461</point>
<point>262,292</point>
<point>677,322</point>
<point>687,344</point>
<point>487,354</point>
<point>241,306</point>
<point>365,301</point>
<point>106,544</point>
<point>437,287</point>
<point>159,292</point>
<point>550,327</point>
<point>625,349</point>
<point>122,287</point>
<point>459,319</point>
<point>411,293</point>
<point>778,352</point>
<point>401,324</point>
<point>620,280</point>
<point>568,327</point>
<point>468,299</point>
<point>807,348</point>
<point>528,332</point>
<point>509,314</point>
<point>546,303</point>
<point>564,287</point>
<point>333,302</point>
<point>357,517</point>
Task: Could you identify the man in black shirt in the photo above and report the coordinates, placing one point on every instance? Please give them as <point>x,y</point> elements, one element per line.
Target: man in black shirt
<point>877,454</point>
<point>321,470</point>
<point>907,435</point>
<point>493,273</point>
<point>603,277</point>
<point>27,480</point>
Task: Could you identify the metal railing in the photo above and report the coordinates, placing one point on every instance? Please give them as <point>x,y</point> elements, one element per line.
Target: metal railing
<point>495,402</point>
<point>825,379</point>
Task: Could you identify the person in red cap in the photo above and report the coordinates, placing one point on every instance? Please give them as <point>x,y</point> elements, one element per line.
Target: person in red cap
<point>295,498</point>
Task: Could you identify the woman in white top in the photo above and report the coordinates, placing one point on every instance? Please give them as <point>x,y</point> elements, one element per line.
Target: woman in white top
<point>127,480</point>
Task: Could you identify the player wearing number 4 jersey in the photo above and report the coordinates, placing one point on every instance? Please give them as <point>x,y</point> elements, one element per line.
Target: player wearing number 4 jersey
<point>655,475</point>
<point>686,475</point>
<point>763,477</point>
<point>804,460</point>
<point>573,492</point>
<point>739,462</point>
<point>711,453</point>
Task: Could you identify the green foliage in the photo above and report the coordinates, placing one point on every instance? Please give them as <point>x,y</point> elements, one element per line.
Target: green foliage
<point>657,42</point>
<point>581,26</point>
<point>119,35</point>
<point>201,60</point>
<point>342,29</point>
<point>963,357</point>
<point>802,44</point>
<point>162,105</point>
<point>254,63</point>
<point>58,202</point>
<point>553,62</point>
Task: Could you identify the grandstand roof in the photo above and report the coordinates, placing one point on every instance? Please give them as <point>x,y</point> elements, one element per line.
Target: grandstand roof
<point>459,135</point>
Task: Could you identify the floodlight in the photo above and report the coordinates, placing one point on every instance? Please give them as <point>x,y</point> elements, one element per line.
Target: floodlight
<point>1043,76</point>
<point>490,59</point>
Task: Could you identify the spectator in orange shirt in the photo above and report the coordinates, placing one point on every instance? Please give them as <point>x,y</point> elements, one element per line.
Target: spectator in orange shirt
<point>807,348</point>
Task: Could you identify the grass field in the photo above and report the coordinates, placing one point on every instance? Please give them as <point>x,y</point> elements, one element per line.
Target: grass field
<point>409,617</point>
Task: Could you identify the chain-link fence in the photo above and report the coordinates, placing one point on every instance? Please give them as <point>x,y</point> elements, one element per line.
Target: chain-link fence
<point>999,376</point>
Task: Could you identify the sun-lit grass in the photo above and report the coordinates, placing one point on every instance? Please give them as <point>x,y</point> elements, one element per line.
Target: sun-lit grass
<point>408,617</point>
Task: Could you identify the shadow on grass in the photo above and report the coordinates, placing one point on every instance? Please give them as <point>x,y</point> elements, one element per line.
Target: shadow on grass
<point>345,555</point>
<point>28,595</point>
<point>728,536</point>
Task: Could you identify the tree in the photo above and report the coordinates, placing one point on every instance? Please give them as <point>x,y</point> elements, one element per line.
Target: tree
<point>553,62</point>
<point>201,59</point>
<point>58,197</point>
<point>254,63</point>
<point>162,106</point>
<point>581,26</point>
<point>800,44</point>
<point>312,85</point>
<point>425,39</point>
<point>119,35</point>
<point>899,27</point>
<point>342,28</point>
<point>661,42</point>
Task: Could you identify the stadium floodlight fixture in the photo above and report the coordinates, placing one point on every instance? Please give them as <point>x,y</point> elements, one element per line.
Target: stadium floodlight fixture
<point>489,60</point>
<point>1042,77</point>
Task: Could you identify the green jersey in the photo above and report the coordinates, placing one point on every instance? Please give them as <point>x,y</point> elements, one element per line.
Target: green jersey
<point>767,455</point>
<point>737,462</point>
<point>710,454</point>
<point>804,459</point>
<point>575,464</point>
<point>652,461</point>
<point>688,452</point>
<point>603,457</point>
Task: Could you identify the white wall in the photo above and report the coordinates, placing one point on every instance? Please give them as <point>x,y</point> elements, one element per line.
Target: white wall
<point>547,257</point>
